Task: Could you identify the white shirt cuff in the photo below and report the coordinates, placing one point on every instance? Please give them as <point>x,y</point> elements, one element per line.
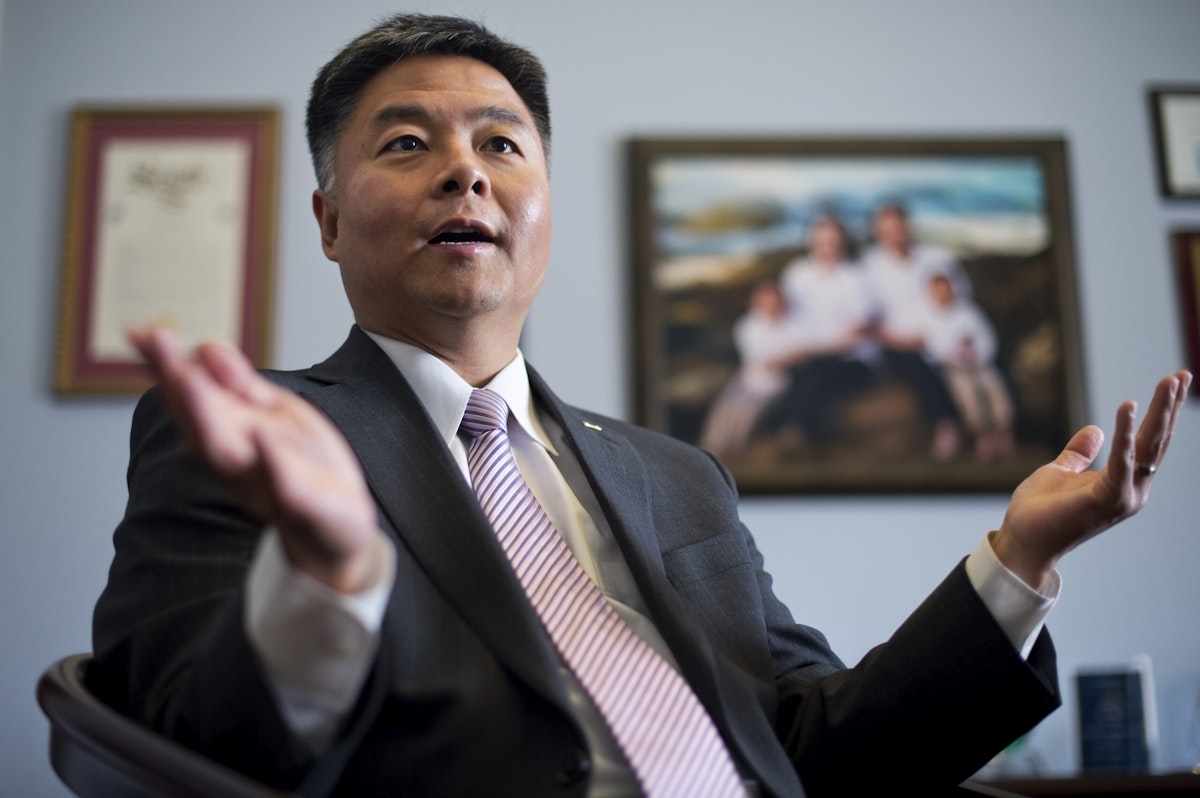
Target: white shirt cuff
<point>315,644</point>
<point>1019,609</point>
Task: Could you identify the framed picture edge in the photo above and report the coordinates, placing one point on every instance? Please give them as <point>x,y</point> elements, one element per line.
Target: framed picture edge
<point>70,378</point>
<point>1186,249</point>
<point>1156,95</point>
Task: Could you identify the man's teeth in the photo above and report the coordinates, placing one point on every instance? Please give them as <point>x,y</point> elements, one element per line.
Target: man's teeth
<point>460,235</point>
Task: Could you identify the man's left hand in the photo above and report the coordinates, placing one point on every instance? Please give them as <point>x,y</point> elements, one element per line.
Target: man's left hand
<point>1063,504</point>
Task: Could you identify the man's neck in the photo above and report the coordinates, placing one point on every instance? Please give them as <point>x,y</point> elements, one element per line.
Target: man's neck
<point>477,358</point>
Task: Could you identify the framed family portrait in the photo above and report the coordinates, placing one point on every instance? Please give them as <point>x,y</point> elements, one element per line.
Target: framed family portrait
<point>857,315</point>
<point>1175,116</point>
<point>170,218</point>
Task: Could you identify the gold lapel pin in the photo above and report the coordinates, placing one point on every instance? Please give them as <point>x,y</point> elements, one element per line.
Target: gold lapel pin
<point>590,425</point>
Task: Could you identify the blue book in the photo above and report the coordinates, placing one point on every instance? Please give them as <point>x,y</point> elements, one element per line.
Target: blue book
<point>1112,722</point>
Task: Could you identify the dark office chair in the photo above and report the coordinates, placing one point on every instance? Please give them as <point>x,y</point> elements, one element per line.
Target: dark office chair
<point>99,752</point>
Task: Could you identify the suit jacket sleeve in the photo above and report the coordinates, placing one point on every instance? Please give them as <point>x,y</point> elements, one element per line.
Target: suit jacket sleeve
<point>168,631</point>
<point>925,709</point>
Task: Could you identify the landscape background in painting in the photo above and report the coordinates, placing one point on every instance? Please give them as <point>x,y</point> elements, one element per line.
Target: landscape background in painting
<point>712,219</point>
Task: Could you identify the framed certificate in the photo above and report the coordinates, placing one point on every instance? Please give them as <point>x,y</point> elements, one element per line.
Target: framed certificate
<point>170,218</point>
<point>1175,113</point>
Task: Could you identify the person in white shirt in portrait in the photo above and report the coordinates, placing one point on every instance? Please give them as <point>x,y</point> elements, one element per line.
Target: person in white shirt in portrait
<point>898,269</point>
<point>769,341</point>
<point>962,342</point>
<point>827,293</point>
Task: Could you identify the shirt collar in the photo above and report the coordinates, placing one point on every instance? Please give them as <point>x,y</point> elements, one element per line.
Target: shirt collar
<point>444,393</point>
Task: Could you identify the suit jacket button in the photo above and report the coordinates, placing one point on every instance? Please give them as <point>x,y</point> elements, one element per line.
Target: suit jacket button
<point>575,766</point>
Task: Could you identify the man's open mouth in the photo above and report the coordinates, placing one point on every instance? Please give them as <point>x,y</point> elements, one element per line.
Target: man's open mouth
<point>462,235</point>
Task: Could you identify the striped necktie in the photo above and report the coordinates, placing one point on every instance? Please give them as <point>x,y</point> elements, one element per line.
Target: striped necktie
<point>665,733</point>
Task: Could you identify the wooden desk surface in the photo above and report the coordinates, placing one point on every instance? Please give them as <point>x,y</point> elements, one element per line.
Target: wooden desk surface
<point>1104,786</point>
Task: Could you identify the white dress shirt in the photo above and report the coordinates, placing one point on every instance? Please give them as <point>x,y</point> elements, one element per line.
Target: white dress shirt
<point>832,302</point>
<point>316,645</point>
<point>900,285</point>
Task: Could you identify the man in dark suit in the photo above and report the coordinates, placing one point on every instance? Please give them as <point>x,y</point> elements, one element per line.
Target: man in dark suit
<point>305,585</point>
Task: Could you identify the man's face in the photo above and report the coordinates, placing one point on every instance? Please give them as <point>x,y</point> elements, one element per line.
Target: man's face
<point>825,241</point>
<point>891,230</point>
<point>441,211</point>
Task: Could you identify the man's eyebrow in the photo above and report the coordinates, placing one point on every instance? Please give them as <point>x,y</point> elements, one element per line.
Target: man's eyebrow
<point>412,112</point>
<point>501,113</point>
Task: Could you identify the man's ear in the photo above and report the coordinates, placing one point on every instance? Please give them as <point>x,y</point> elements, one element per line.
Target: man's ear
<point>326,210</point>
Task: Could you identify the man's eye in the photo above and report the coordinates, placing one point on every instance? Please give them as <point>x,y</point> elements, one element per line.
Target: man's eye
<point>404,144</point>
<point>500,144</point>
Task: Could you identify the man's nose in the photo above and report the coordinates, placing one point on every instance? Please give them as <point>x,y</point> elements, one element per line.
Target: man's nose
<point>461,173</point>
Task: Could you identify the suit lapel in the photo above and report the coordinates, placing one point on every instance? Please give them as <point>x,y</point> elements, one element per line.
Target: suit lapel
<point>617,475</point>
<point>425,502</point>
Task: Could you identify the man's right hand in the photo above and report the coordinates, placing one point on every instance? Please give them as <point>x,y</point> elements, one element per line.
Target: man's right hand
<point>284,461</point>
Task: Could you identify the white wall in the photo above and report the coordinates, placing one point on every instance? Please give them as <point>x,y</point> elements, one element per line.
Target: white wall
<point>852,566</point>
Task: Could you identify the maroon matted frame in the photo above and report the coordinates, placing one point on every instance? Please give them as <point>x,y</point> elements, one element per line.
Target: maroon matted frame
<point>94,129</point>
<point>1187,269</point>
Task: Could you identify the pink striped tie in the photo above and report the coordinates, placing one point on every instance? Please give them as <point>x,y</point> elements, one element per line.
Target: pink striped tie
<point>666,735</point>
